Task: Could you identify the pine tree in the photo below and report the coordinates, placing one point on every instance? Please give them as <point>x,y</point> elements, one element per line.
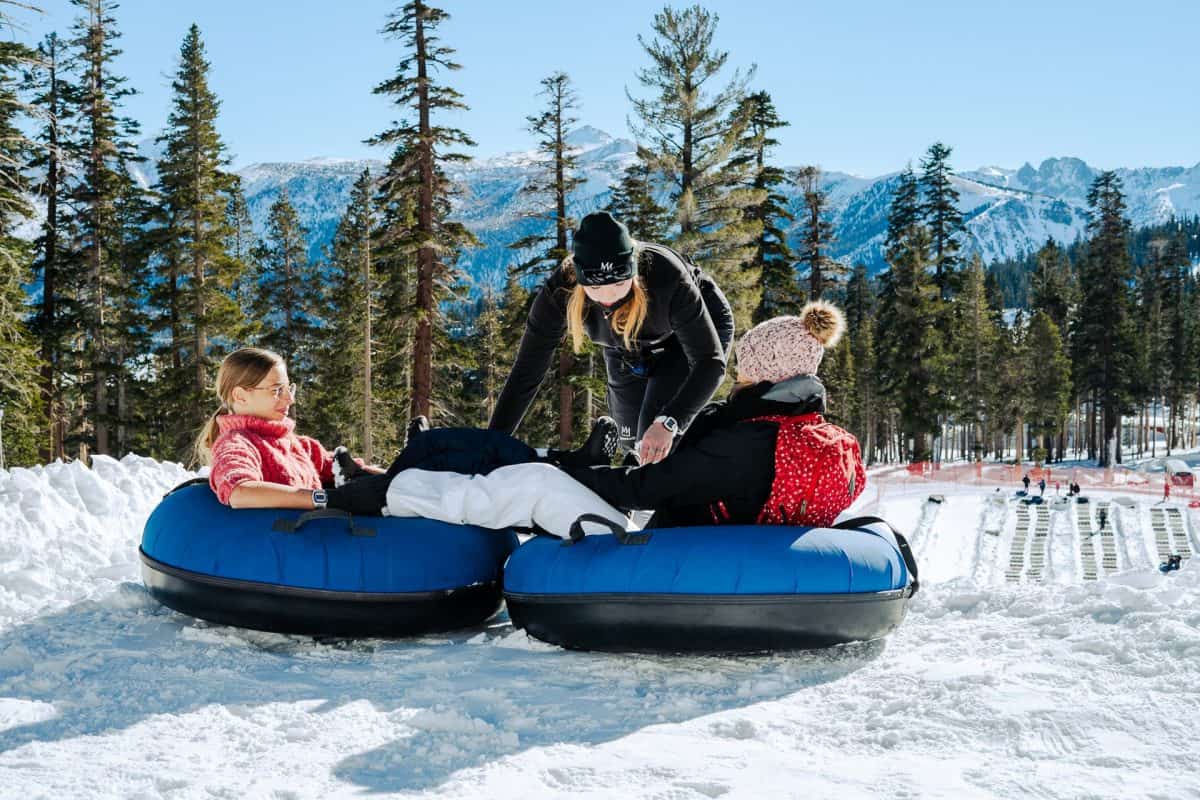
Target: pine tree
<point>1152,369</point>
<point>973,344</point>
<point>910,360</point>
<point>548,191</point>
<point>20,399</point>
<point>860,330</point>
<point>939,210</point>
<point>105,149</point>
<point>417,169</point>
<point>1049,383</point>
<point>1181,326</point>
<point>633,203</point>
<point>772,258</point>
<point>688,134</point>
<point>195,190</point>
<point>818,234</point>
<point>840,377</point>
<point>239,247</point>
<point>1051,285</point>
<point>1010,396</point>
<point>1103,335</point>
<point>55,316</point>
<point>344,373</point>
<point>395,265</point>
<point>288,289</point>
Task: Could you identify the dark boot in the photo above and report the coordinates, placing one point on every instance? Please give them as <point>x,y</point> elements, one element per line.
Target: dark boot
<point>597,451</point>
<point>364,496</point>
<point>345,468</point>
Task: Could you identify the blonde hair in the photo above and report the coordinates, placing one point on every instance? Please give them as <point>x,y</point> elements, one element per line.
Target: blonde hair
<point>243,368</point>
<point>626,321</point>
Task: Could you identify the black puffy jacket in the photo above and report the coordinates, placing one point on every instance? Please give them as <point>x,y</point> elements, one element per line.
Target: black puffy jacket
<point>722,457</point>
<point>676,308</point>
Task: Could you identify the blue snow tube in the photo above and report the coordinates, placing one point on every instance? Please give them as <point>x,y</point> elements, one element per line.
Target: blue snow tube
<point>716,589</point>
<point>322,573</point>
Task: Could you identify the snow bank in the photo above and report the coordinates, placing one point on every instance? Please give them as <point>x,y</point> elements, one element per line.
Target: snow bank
<point>991,688</point>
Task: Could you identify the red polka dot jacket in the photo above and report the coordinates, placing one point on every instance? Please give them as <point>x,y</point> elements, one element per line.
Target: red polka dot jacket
<point>745,461</point>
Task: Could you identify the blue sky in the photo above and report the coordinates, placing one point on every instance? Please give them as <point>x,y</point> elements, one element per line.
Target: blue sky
<point>1113,83</point>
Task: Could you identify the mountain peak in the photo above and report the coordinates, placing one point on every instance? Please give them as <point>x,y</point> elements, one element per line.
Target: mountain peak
<point>586,137</point>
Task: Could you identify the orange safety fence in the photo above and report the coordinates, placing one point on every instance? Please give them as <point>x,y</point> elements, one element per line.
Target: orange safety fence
<point>1058,478</point>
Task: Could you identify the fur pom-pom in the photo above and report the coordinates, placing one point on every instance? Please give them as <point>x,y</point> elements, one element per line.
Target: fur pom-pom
<point>824,321</point>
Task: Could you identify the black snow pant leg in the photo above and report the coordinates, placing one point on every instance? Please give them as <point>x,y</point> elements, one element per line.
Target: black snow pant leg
<point>637,395</point>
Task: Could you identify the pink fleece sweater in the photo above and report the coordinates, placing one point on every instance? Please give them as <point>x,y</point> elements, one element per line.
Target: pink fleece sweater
<point>256,449</point>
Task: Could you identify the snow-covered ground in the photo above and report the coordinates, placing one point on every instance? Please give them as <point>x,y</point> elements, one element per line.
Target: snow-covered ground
<point>1011,677</point>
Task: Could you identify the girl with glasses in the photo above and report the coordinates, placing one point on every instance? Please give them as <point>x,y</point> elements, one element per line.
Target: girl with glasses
<point>458,475</point>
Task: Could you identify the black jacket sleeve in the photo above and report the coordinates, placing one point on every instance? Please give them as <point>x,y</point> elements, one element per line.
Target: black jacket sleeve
<point>735,465</point>
<point>543,331</point>
<point>706,358</point>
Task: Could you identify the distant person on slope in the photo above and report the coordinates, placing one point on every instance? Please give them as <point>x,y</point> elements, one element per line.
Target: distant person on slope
<point>258,461</point>
<point>663,324</point>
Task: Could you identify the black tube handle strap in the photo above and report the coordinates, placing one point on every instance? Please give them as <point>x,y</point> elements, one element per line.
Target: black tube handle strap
<point>910,561</point>
<point>291,525</point>
<point>623,536</point>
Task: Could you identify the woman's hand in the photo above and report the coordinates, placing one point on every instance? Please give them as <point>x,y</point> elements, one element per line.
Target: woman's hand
<point>656,444</point>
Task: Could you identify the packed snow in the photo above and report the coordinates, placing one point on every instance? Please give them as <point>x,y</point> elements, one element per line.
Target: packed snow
<point>1038,659</point>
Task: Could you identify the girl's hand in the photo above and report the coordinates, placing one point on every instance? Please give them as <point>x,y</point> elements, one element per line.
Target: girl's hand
<point>656,444</point>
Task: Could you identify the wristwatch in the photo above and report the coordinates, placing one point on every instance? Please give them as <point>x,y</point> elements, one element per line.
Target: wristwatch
<point>320,499</point>
<point>669,423</point>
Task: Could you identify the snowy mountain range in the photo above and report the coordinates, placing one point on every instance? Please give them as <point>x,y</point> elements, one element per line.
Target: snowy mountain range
<point>1007,211</point>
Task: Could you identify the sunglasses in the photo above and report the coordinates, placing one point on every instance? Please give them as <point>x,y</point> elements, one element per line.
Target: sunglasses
<point>277,391</point>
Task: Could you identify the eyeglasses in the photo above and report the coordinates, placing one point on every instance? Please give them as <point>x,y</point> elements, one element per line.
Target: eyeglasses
<point>276,390</point>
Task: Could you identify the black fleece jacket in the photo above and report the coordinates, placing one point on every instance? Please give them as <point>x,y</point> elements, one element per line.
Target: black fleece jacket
<point>720,458</point>
<point>676,308</point>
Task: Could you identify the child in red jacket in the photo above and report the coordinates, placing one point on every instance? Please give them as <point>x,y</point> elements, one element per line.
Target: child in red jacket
<point>257,459</point>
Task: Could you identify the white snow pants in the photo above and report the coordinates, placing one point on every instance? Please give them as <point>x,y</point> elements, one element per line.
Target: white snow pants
<point>521,495</point>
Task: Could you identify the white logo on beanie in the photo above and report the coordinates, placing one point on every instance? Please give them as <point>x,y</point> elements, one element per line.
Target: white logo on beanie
<point>607,266</point>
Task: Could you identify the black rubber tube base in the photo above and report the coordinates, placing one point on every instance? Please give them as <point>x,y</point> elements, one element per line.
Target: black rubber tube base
<point>721,624</point>
<point>316,612</point>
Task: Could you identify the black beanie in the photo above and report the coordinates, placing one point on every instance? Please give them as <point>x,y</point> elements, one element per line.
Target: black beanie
<point>603,250</point>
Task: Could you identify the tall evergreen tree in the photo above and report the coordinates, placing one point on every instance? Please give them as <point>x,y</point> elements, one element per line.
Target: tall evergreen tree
<point>20,400</point>
<point>417,169</point>
<point>548,191</point>
<point>772,258</point>
<point>633,203</point>
<point>54,319</point>
<point>106,149</point>
<point>1181,326</point>
<point>1049,382</point>
<point>345,370</point>
<point>1009,400</point>
<point>860,330</point>
<point>239,246</point>
<point>395,265</point>
<point>910,346</point>
<point>1103,335</point>
<point>688,133</point>
<point>939,210</point>
<point>818,234</point>
<point>195,190</point>
<point>288,289</point>
<point>973,346</point>
<point>1052,286</point>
